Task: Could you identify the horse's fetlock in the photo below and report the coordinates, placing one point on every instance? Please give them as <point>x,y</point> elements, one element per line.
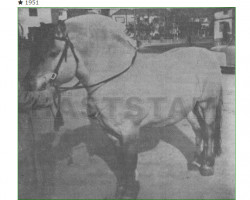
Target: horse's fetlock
<point>210,161</point>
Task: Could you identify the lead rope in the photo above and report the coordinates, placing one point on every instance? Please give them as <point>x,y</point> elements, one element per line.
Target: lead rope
<point>58,122</point>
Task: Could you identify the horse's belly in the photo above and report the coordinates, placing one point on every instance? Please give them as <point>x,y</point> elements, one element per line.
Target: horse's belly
<point>167,111</point>
<point>145,111</point>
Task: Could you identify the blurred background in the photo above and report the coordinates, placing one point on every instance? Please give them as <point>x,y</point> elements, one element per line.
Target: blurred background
<point>210,26</point>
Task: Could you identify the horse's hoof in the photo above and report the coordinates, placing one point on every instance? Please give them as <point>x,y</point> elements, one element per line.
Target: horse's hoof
<point>206,170</point>
<point>120,190</point>
<point>132,191</point>
<point>193,166</point>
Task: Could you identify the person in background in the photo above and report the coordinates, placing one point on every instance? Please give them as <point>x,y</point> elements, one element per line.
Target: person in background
<point>27,170</point>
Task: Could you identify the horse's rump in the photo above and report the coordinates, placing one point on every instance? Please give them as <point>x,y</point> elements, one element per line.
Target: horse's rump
<point>201,64</point>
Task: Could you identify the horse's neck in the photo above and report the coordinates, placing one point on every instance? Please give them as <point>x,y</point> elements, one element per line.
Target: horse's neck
<point>82,74</point>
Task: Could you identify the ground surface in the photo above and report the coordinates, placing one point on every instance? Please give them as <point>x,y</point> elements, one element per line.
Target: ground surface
<point>162,165</point>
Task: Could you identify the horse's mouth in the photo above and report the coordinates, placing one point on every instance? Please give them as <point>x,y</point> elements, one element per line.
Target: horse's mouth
<point>43,86</point>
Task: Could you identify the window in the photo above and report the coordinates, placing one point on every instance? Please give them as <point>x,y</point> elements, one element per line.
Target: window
<point>120,19</point>
<point>225,12</point>
<point>33,12</point>
<point>224,27</point>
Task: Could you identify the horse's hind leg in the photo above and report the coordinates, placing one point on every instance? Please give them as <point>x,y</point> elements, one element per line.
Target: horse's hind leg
<point>208,126</point>
<point>193,120</point>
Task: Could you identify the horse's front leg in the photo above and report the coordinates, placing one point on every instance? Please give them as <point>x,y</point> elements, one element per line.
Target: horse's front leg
<point>120,173</point>
<point>127,185</point>
<point>131,159</point>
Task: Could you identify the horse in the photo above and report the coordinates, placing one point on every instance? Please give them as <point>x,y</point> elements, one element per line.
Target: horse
<point>128,90</point>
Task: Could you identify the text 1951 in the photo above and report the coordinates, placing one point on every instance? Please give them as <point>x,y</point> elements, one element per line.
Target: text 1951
<point>31,2</point>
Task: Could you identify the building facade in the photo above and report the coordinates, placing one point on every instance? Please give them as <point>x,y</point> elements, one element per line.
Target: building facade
<point>224,25</point>
<point>32,17</point>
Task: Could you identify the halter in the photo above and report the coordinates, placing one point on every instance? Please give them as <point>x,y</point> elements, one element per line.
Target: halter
<point>68,44</point>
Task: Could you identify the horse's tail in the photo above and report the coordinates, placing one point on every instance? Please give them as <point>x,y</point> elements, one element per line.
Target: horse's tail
<point>218,119</point>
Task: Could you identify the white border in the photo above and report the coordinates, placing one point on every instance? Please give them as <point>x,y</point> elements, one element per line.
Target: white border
<point>8,81</point>
<point>137,3</point>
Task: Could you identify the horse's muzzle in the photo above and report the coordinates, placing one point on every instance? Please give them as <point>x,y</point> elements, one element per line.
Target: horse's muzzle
<point>38,82</point>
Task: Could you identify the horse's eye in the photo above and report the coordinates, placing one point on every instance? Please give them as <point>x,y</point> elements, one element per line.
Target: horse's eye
<point>53,53</point>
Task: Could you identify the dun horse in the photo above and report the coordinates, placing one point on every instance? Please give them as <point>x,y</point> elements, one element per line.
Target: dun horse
<point>128,90</point>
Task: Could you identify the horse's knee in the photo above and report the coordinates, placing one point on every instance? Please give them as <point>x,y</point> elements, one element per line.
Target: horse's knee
<point>209,111</point>
<point>209,117</point>
<point>130,134</point>
<point>192,118</point>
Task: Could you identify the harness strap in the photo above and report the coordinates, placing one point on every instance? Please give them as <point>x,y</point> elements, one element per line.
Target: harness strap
<point>115,76</point>
<point>68,44</point>
<point>64,55</point>
<point>58,122</point>
<point>73,51</point>
<point>78,86</point>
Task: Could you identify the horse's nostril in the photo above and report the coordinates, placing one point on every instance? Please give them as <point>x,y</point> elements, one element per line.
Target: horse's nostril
<point>43,86</point>
<point>30,84</point>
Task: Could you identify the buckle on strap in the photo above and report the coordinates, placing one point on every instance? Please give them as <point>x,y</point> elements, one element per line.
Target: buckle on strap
<point>53,76</point>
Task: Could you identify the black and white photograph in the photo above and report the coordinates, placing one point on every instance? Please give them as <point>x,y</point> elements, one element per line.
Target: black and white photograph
<point>126,103</point>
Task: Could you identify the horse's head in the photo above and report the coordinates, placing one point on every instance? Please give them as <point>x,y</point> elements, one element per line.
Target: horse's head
<point>46,52</point>
<point>100,44</point>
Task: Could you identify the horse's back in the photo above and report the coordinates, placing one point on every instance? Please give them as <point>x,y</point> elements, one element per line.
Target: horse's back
<point>176,72</point>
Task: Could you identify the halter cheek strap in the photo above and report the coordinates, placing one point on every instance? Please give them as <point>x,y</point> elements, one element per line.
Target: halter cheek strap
<point>68,44</point>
